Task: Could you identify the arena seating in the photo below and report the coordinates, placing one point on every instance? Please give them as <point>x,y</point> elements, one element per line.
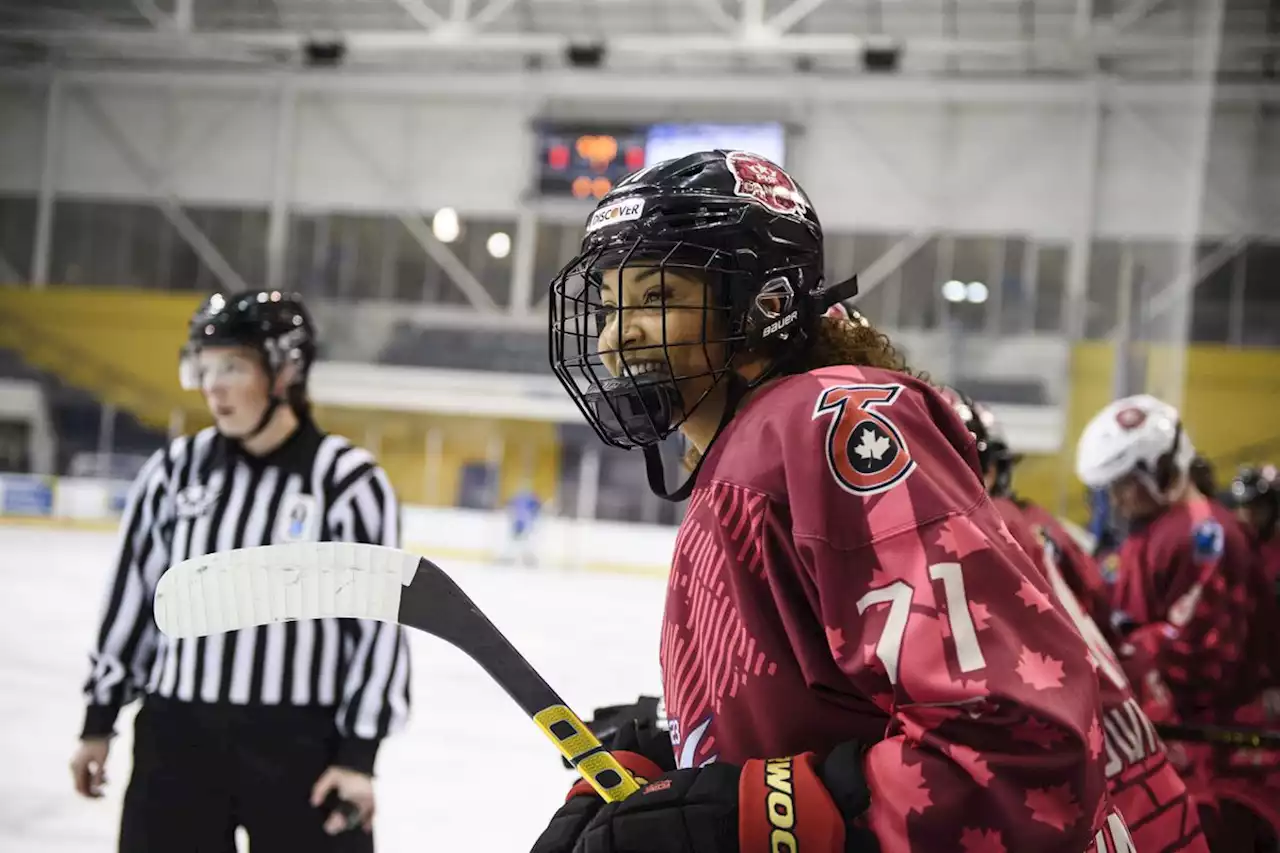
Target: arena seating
<point>120,345</point>
<point>77,417</point>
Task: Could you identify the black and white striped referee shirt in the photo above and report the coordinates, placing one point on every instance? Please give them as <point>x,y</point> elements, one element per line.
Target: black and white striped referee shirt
<point>203,494</point>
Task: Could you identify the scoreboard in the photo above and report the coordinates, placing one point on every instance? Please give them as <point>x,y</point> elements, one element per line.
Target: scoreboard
<point>580,160</point>
<point>585,161</point>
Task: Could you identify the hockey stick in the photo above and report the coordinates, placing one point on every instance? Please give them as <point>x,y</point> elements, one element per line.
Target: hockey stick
<point>1245,738</point>
<point>231,590</point>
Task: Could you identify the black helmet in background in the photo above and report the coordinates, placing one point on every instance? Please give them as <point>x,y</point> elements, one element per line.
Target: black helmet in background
<point>275,324</point>
<point>1255,495</point>
<point>994,452</point>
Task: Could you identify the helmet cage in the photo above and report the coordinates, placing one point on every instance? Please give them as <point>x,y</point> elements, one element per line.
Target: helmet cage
<point>734,221</point>
<point>640,406</point>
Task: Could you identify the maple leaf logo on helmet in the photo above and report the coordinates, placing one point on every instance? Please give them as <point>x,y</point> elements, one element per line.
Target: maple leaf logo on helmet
<point>764,182</point>
<point>1131,417</point>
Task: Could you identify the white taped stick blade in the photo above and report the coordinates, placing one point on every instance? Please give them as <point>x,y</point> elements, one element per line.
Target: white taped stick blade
<point>232,590</point>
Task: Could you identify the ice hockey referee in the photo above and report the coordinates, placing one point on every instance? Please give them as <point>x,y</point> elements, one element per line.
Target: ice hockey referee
<point>264,729</point>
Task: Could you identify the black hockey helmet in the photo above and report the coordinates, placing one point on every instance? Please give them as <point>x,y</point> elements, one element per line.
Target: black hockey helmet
<point>1256,484</point>
<point>274,323</point>
<point>730,218</point>
<point>1257,489</point>
<point>993,446</point>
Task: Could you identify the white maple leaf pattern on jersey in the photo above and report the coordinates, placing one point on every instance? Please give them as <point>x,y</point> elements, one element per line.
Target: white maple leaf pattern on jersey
<point>873,446</point>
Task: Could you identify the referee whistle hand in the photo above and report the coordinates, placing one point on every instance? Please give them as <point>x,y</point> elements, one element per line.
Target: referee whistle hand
<point>351,787</point>
<point>89,767</point>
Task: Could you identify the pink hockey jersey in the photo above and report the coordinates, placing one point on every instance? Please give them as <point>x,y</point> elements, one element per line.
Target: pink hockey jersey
<point>1144,785</point>
<point>840,574</point>
<point>1192,583</point>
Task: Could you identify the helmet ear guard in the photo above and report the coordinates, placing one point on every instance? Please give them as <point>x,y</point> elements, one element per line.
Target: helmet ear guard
<point>778,322</point>
<point>774,317</point>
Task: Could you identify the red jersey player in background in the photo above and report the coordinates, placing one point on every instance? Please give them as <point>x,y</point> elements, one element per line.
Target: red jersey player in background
<point>1080,571</point>
<point>1144,785</point>
<point>856,654</point>
<point>1195,596</point>
<point>1255,493</point>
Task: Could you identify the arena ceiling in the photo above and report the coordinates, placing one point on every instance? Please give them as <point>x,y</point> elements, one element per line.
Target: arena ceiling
<point>982,38</point>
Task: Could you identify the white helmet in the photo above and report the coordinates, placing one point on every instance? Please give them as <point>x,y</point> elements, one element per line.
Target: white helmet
<point>1135,435</point>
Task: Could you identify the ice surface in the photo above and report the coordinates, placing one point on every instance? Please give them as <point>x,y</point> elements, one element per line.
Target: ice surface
<point>434,779</point>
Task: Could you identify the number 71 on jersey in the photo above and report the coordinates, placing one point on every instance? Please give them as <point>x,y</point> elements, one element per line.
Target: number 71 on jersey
<point>899,594</point>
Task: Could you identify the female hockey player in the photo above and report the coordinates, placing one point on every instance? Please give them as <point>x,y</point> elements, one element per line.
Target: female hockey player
<point>260,729</point>
<point>855,654</point>
<point>1196,599</point>
<point>1143,783</point>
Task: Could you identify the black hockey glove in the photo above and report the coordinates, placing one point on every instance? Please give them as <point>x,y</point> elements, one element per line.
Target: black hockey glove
<point>634,735</point>
<point>784,804</point>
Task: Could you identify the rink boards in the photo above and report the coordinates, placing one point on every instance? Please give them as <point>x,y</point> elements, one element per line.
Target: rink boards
<point>441,533</point>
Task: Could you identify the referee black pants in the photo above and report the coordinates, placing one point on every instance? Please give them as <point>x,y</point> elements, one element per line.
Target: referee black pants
<point>200,771</point>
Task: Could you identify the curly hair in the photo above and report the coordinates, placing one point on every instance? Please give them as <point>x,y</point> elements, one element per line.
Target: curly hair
<point>839,340</point>
<point>850,340</point>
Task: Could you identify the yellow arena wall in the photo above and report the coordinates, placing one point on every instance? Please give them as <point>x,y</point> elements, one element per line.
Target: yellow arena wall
<point>123,346</point>
<point>1092,382</point>
<point>530,451</point>
<point>1230,407</point>
<point>1049,479</point>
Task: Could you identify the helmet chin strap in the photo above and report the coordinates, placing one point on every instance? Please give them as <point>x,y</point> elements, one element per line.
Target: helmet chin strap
<point>821,299</point>
<point>267,414</point>
<point>273,403</point>
<point>737,388</point>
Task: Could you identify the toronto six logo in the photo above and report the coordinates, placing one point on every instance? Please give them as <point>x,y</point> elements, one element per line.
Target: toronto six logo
<point>757,178</point>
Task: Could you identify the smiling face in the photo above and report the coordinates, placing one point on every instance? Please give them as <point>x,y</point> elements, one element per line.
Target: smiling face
<point>666,325</point>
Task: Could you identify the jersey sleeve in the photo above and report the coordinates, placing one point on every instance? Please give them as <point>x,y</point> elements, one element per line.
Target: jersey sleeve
<point>991,701</point>
<point>1023,534</point>
<point>124,648</point>
<point>375,694</point>
<point>933,612</point>
<point>1079,570</point>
